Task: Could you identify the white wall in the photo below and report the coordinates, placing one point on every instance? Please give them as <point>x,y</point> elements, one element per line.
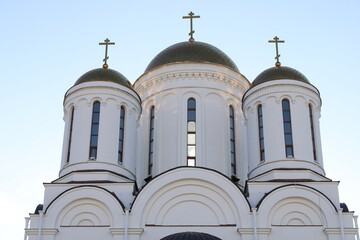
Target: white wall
<point>168,89</point>
<point>270,96</point>
<point>111,97</point>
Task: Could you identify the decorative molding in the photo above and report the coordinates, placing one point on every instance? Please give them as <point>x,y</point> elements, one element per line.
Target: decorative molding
<point>250,231</point>
<point>93,90</point>
<point>288,160</point>
<point>44,231</point>
<point>330,231</point>
<point>90,162</point>
<point>131,231</point>
<point>161,79</point>
<point>282,89</point>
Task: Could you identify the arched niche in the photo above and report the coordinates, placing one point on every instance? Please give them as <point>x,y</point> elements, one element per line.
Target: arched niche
<point>190,196</point>
<point>85,206</point>
<point>296,205</point>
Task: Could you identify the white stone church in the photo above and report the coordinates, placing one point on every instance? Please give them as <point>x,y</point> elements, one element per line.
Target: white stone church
<point>192,150</point>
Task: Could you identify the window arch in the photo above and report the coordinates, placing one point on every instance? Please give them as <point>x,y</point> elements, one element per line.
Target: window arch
<point>151,140</point>
<point>289,148</point>
<point>70,134</point>
<point>191,132</point>
<point>261,132</point>
<point>232,140</point>
<point>94,130</point>
<point>121,135</point>
<point>312,131</point>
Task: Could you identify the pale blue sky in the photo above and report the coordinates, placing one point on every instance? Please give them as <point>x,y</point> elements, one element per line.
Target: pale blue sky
<point>45,46</point>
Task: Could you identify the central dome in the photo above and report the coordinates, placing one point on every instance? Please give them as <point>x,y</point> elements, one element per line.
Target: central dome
<point>191,52</point>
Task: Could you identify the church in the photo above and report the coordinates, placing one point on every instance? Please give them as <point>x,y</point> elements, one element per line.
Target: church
<point>192,150</point>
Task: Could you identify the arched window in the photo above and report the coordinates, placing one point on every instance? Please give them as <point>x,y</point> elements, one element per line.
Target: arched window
<point>191,132</point>
<point>70,134</point>
<point>261,133</point>
<point>121,135</point>
<point>312,131</point>
<point>94,130</point>
<point>151,140</point>
<point>232,141</point>
<point>289,148</point>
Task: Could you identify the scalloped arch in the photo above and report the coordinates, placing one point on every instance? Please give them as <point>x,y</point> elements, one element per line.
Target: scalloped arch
<point>284,204</point>
<point>90,204</point>
<point>184,191</point>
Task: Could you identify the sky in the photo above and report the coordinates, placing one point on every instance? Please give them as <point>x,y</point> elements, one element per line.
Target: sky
<point>45,46</point>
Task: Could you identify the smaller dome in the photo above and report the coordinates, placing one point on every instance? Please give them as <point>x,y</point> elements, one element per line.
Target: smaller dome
<point>277,73</point>
<point>104,74</point>
<point>190,236</point>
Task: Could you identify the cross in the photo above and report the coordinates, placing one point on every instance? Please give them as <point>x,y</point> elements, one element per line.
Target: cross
<point>276,41</point>
<point>191,16</point>
<point>107,43</point>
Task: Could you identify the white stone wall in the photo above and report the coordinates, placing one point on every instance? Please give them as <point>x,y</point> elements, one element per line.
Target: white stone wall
<point>106,201</point>
<point>168,89</point>
<point>111,97</point>
<point>191,199</point>
<point>270,96</point>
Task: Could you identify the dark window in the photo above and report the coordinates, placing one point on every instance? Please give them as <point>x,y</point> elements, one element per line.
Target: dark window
<point>232,141</point>
<point>70,134</point>
<point>151,140</point>
<point>312,131</point>
<point>121,135</point>
<point>191,132</point>
<point>289,148</point>
<point>261,133</point>
<point>94,130</point>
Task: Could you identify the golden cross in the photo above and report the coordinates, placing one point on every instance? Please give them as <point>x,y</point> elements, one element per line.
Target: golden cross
<point>107,43</point>
<point>191,16</point>
<point>276,41</point>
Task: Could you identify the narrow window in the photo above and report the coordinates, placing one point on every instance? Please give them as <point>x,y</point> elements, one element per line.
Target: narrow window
<point>261,133</point>
<point>312,131</point>
<point>191,132</point>
<point>151,140</point>
<point>94,130</point>
<point>289,149</point>
<point>70,134</point>
<point>232,141</point>
<point>121,135</point>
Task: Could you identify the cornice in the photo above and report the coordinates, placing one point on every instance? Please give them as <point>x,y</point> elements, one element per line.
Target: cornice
<point>247,231</point>
<point>92,163</point>
<point>130,231</point>
<point>44,231</point>
<point>214,77</point>
<point>84,92</point>
<point>336,231</point>
<point>281,89</point>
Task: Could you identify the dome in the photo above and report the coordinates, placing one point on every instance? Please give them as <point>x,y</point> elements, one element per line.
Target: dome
<point>104,74</point>
<point>191,52</point>
<point>277,73</point>
<point>190,236</point>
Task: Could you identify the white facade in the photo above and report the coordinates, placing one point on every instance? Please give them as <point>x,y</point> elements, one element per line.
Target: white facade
<point>279,197</point>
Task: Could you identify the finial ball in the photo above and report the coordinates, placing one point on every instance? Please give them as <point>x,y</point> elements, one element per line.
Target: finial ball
<point>105,66</point>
